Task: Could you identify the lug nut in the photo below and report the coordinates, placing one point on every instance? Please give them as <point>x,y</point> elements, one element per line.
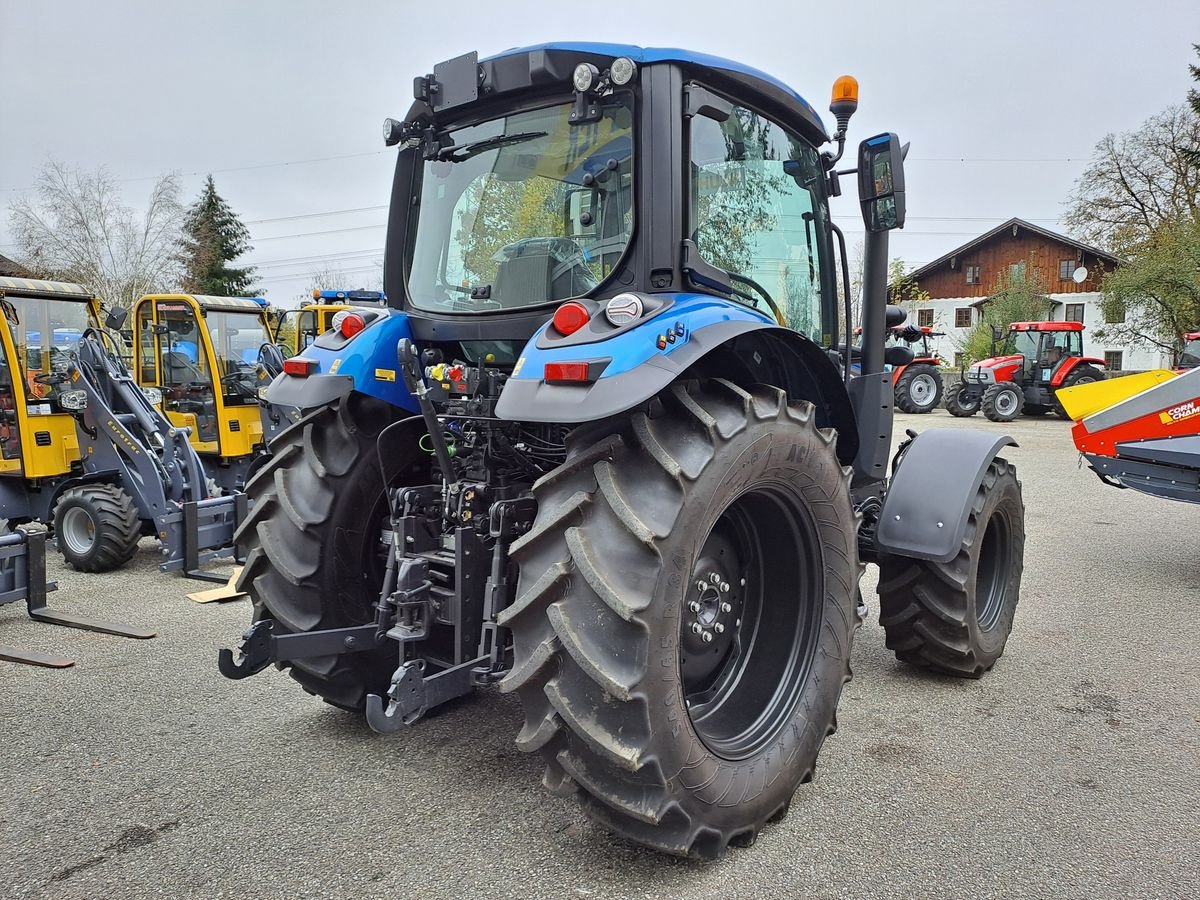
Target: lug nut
<point>694,606</point>
<point>714,578</point>
<point>724,587</point>
<point>696,629</point>
<point>742,582</point>
<point>719,628</point>
<point>707,637</point>
<point>726,607</point>
<point>700,586</point>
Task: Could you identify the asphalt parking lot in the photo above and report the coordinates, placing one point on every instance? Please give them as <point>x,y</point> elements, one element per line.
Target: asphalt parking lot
<point>1070,770</point>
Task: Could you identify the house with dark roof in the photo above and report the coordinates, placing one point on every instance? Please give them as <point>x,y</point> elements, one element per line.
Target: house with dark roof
<point>960,282</point>
<point>10,268</point>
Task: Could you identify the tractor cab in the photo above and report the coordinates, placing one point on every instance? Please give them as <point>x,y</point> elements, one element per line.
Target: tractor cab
<point>297,329</point>
<point>1189,356</point>
<point>1032,362</point>
<point>45,321</point>
<point>202,354</point>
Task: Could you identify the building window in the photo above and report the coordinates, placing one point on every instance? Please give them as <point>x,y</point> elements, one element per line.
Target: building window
<point>958,359</point>
<point>1074,312</point>
<point>1016,272</point>
<point>925,318</point>
<point>962,317</point>
<point>1112,360</point>
<point>972,274</point>
<point>1066,269</point>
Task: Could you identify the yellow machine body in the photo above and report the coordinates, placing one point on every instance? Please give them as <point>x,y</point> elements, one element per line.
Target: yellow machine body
<point>1084,400</point>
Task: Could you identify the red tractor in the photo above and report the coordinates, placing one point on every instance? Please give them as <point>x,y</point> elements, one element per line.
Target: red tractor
<point>1035,360</point>
<point>1189,357</point>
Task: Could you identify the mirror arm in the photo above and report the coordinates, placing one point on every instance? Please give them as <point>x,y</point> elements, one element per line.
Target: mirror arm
<point>847,305</point>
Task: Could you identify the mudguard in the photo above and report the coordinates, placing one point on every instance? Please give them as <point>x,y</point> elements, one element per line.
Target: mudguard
<point>634,365</point>
<point>366,363</point>
<point>929,499</point>
<point>1070,365</point>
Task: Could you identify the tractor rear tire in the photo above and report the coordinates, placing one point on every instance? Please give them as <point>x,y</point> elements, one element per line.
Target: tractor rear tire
<point>96,527</point>
<point>1002,402</point>
<point>955,617</point>
<point>957,406</point>
<point>675,725</point>
<point>1083,375</point>
<point>919,389</point>
<point>312,546</point>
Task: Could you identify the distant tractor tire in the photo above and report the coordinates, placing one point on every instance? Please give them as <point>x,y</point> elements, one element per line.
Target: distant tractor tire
<point>919,389</point>
<point>1002,402</point>
<point>684,614</point>
<point>1080,375</point>
<point>959,405</point>
<point>312,546</point>
<point>97,527</point>
<point>955,617</point>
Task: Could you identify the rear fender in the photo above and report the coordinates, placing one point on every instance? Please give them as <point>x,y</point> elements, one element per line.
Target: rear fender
<point>898,371</point>
<point>366,363</point>
<point>705,337</point>
<point>1071,363</point>
<point>929,499</point>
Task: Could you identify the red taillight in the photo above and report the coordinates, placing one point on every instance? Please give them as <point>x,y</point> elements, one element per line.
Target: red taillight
<point>568,371</point>
<point>298,365</point>
<point>351,324</point>
<point>570,317</point>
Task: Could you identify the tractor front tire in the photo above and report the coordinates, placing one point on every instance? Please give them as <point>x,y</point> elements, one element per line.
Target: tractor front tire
<point>1002,402</point>
<point>312,542</point>
<point>919,389</point>
<point>958,405</point>
<point>955,617</point>
<point>684,614</point>
<point>1082,375</point>
<point>96,527</point>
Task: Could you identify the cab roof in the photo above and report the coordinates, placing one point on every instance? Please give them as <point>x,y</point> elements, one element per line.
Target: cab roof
<point>204,301</point>
<point>1046,326</point>
<point>768,84</point>
<point>35,286</point>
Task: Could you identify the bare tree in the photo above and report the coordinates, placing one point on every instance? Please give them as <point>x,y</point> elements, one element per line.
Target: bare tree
<point>78,228</point>
<point>1137,181</point>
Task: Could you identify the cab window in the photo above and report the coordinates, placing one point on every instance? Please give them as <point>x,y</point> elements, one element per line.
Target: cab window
<point>186,380</point>
<point>757,211</point>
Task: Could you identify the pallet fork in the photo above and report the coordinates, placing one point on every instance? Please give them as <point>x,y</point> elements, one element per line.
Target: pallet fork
<point>23,577</point>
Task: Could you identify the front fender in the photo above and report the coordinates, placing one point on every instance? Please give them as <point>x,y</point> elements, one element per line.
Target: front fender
<point>367,364</point>
<point>635,368</point>
<point>929,499</point>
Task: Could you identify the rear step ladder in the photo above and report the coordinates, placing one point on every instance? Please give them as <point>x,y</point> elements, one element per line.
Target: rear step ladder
<point>23,577</point>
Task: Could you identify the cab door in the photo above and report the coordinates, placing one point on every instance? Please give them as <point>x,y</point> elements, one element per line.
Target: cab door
<point>11,405</point>
<point>184,371</point>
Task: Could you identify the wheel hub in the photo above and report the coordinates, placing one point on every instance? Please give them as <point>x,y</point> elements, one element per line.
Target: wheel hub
<point>922,390</point>
<point>711,611</point>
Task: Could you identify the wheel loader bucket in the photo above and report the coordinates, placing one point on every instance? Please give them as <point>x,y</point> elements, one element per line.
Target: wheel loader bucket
<point>1084,400</point>
<point>23,578</point>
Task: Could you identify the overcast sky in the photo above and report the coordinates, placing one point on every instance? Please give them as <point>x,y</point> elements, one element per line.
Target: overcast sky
<point>282,100</point>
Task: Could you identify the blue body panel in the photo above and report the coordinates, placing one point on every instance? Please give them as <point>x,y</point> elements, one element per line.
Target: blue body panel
<point>689,313</point>
<point>370,360</point>
<point>647,55</point>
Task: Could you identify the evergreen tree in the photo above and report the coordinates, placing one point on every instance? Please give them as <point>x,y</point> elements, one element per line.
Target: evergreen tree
<point>213,237</point>
<point>1193,99</point>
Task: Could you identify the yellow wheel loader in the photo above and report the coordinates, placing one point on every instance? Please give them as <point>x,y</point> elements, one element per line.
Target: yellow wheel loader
<point>298,328</point>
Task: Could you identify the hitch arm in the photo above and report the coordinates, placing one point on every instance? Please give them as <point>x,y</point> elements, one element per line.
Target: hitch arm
<point>261,647</point>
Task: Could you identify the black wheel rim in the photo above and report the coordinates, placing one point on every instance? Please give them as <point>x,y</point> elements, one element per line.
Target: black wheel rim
<point>750,621</point>
<point>991,575</point>
<point>966,401</point>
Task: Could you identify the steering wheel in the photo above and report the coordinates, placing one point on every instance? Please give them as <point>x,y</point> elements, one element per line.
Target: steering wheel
<point>50,378</point>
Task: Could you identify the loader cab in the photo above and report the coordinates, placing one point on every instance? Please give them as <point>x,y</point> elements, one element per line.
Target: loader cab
<point>297,329</point>
<point>201,352</point>
<point>43,322</point>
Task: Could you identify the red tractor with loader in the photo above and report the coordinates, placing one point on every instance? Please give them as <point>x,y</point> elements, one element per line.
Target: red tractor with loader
<point>1035,361</point>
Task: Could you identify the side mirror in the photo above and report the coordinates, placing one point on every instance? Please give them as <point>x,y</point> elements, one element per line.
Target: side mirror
<point>115,320</point>
<point>895,315</point>
<point>881,182</point>
<point>161,329</point>
<point>898,356</point>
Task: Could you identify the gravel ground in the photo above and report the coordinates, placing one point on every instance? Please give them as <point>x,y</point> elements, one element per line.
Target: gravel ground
<point>1070,770</point>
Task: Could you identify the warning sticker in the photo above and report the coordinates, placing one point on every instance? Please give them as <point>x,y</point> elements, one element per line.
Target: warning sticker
<point>1180,412</point>
<point>385,374</point>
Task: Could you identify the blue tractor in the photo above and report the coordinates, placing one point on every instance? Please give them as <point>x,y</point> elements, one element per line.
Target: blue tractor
<point>601,448</point>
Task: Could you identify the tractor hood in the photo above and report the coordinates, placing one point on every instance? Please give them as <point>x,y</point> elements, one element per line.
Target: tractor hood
<point>1000,362</point>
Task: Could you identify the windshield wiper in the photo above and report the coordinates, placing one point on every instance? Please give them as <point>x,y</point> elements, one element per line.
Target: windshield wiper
<point>463,152</point>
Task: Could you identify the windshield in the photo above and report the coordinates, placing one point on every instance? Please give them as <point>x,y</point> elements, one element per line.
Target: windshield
<point>1023,342</point>
<point>45,333</point>
<point>524,210</point>
<point>1190,357</point>
<point>236,337</point>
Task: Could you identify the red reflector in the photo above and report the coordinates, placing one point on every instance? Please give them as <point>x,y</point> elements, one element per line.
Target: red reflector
<point>570,317</point>
<point>351,324</point>
<point>298,365</point>
<point>567,371</point>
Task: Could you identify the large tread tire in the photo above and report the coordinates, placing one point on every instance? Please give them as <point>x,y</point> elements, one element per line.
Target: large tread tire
<point>931,612</point>
<point>993,402</point>
<point>1084,374</point>
<point>905,400</point>
<point>955,405</point>
<point>596,619</point>
<point>114,522</point>
<point>311,542</point>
